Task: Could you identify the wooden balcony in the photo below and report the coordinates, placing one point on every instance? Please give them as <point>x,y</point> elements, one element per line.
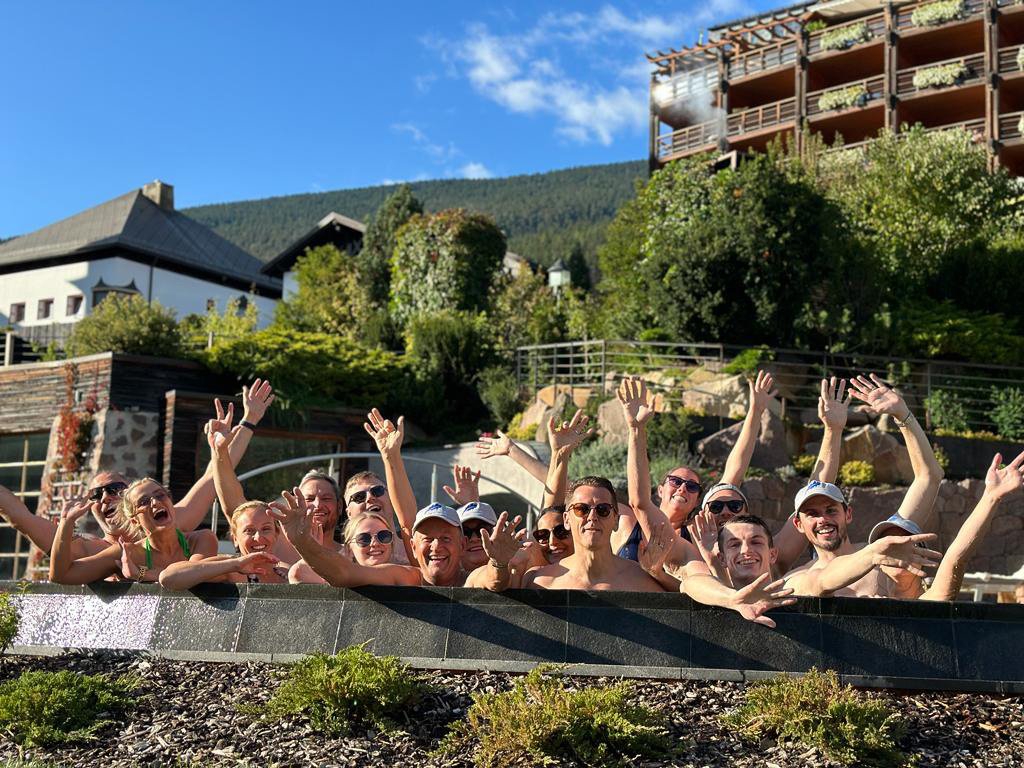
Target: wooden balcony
<point>975,74</point>
<point>973,9</point>
<point>976,126</point>
<point>1009,127</point>
<point>760,118</point>
<point>852,145</point>
<point>687,140</point>
<point>1008,6</point>
<point>684,85</point>
<point>875,92</point>
<point>763,59</point>
<point>876,25</point>
<point>1008,60</point>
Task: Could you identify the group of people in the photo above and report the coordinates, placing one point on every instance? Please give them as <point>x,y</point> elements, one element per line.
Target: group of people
<point>676,536</point>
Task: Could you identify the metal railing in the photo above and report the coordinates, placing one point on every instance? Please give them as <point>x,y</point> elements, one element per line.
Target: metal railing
<point>875,24</point>
<point>532,507</point>
<point>601,365</point>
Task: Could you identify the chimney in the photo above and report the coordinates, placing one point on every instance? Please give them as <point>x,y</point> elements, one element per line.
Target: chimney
<point>160,193</point>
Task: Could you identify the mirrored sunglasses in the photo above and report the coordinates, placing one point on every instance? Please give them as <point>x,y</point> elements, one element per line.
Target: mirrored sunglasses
<point>560,532</point>
<point>360,496</point>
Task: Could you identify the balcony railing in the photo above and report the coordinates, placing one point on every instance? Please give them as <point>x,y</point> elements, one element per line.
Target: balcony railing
<point>763,59</point>
<point>976,126</point>
<point>874,90</point>
<point>757,118</point>
<point>975,66</point>
<point>876,26</point>
<point>1008,60</point>
<point>904,23</point>
<point>685,85</point>
<point>1009,126</point>
<point>1009,5</point>
<point>852,145</point>
<point>693,137</point>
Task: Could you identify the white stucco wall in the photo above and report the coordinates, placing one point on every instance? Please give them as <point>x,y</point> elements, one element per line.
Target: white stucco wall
<point>182,293</point>
<point>289,284</point>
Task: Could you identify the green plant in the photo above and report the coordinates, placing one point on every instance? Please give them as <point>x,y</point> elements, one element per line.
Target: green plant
<point>601,459</point>
<point>941,75</point>
<point>841,98</point>
<point>1020,123</point>
<point>53,708</point>
<point>1020,57</point>
<point>815,26</point>
<point>1008,412</point>
<point>127,324</point>
<point>818,711</point>
<point>938,13</point>
<point>500,392</point>
<point>670,432</point>
<point>804,464</point>
<point>353,686</point>
<point>846,36</point>
<point>857,472</point>
<point>541,721</point>
<point>239,318</point>
<point>374,260</point>
<point>941,457</point>
<point>517,431</point>
<point>8,621</point>
<point>946,411</point>
<point>749,360</point>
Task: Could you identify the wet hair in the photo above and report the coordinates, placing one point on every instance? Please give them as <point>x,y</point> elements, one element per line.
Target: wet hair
<point>353,523</point>
<point>126,516</point>
<point>593,481</point>
<point>318,474</point>
<point>247,506</point>
<point>750,520</point>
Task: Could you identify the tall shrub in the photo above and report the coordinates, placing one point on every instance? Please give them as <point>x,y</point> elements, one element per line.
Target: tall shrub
<point>380,240</point>
<point>127,324</point>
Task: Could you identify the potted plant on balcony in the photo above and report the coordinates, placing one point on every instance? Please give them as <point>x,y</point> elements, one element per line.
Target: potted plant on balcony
<point>841,38</point>
<point>1020,57</point>
<point>843,98</point>
<point>939,12</point>
<point>941,75</point>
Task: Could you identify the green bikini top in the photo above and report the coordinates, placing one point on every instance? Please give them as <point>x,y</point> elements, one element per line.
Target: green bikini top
<point>181,540</point>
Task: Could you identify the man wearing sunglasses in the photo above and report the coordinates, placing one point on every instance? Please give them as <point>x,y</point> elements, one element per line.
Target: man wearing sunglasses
<point>477,519</point>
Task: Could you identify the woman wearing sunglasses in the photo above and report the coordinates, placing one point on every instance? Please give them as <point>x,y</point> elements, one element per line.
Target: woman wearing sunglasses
<point>369,538</point>
<point>552,536</point>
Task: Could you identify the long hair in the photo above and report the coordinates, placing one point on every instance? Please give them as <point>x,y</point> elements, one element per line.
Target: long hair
<point>127,516</point>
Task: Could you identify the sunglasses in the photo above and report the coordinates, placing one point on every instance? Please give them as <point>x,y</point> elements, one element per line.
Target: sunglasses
<point>678,482</point>
<point>469,531</point>
<point>363,540</point>
<point>582,510</point>
<point>114,489</point>
<point>734,505</point>
<point>560,532</point>
<point>360,496</point>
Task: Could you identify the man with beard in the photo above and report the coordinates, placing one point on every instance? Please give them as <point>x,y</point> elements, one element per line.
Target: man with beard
<point>823,516</point>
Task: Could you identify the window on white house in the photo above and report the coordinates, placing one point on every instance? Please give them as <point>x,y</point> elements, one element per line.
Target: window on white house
<point>17,313</point>
<point>74,305</point>
<point>45,309</point>
<point>211,305</point>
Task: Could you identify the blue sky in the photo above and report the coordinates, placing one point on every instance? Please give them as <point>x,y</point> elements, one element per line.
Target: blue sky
<point>233,101</point>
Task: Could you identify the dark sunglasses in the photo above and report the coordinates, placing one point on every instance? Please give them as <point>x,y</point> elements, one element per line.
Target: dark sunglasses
<point>560,532</point>
<point>469,531</point>
<point>582,510</point>
<point>677,482</point>
<point>734,505</point>
<point>360,496</point>
<point>114,489</point>
<point>365,539</point>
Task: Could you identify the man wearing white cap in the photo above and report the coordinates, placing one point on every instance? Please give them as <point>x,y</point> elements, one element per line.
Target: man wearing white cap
<point>477,519</point>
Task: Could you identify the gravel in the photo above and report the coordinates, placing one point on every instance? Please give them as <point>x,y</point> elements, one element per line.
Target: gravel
<point>188,715</point>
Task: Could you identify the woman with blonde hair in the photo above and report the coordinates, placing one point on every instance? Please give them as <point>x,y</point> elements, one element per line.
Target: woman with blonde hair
<point>369,538</point>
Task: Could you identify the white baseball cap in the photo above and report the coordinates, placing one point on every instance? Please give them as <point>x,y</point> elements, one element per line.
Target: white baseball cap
<point>909,528</point>
<point>438,510</point>
<point>478,510</point>
<point>723,487</point>
<point>818,488</point>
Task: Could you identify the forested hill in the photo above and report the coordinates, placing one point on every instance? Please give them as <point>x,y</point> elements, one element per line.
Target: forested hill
<point>542,214</point>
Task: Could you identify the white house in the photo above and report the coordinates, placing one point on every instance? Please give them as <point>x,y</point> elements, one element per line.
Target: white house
<point>135,243</point>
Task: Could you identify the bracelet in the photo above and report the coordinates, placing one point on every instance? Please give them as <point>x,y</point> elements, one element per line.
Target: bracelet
<point>495,564</point>
<point>248,424</point>
<point>903,424</point>
<point>142,573</point>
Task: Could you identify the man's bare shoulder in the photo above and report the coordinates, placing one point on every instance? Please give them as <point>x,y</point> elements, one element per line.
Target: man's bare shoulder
<point>633,578</point>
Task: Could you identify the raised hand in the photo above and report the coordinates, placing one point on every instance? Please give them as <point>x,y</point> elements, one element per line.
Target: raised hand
<point>259,563</point>
<point>218,431</point>
<point>879,396</point>
<point>703,530</point>
<point>256,399</point>
<point>1001,482</point>
<point>637,402</point>
<point>73,508</point>
<point>759,597</point>
<point>904,552</point>
<point>569,434</point>
<point>761,391</point>
<point>467,486</point>
<point>833,408</point>
<point>387,436</point>
<point>296,518</point>
<point>489,445</point>
<point>503,542</point>
<point>653,552</point>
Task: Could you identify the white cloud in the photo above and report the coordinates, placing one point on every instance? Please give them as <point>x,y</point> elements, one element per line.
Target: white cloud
<point>441,153</point>
<point>475,171</point>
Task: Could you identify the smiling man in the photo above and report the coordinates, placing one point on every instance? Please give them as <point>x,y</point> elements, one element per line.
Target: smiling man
<point>747,549</point>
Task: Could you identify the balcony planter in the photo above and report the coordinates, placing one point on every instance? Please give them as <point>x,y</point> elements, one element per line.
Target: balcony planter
<point>1020,126</point>
<point>842,98</point>
<point>941,76</point>
<point>1020,58</point>
<point>845,37</point>
<point>940,12</point>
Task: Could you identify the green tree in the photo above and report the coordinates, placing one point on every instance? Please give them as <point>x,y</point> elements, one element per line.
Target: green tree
<point>625,311</point>
<point>380,240</point>
<point>579,272</point>
<point>234,322</point>
<point>444,261</point>
<point>524,310</point>
<point>331,297</point>
<point>127,324</point>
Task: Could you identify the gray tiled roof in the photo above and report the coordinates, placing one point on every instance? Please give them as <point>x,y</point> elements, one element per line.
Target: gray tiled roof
<point>135,222</point>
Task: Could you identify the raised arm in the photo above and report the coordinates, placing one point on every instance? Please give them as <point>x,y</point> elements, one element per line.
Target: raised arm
<point>39,530</point>
<point>489,446</point>
<point>189,573</point>
<point>1000,483</point>
<point>64,568</point>
<point>467,486</point>
<point>761,394</point>
<point>563,439</point>
<point>919,502</point>
<point>225,481</point>
<point>388,438</point>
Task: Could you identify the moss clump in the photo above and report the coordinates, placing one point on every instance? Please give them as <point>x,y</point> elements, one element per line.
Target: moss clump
<point>541,721</point>
<point>857,473</point>
<point>804,464</point>
<point>818,711</point>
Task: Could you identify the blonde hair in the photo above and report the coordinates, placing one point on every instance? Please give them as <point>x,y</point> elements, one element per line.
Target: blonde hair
<point>353,523</point>
<point>360,477</point>
<point>127,517</point>
<point>245,507</point>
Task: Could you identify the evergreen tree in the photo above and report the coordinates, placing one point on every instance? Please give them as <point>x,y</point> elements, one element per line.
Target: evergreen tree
<point>577,265</point>
<point>380,239</point>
